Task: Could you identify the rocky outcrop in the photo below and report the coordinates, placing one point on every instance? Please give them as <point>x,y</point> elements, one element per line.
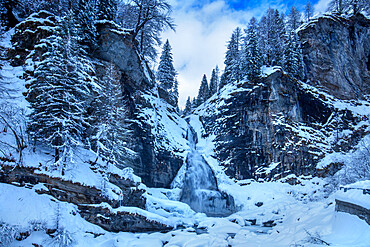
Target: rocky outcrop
<point>87,197</point>
<point>116,221</point>
<point>28,34</point>
<point>256,130</point>
<point>154,163</point>
<point>72,192</point>
<point>336,53</point>
<point>275,126</point>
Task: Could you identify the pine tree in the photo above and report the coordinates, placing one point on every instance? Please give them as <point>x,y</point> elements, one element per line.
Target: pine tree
<point>85,18</point>
<point>262,35</point>
<point>61,88</point>
<point>293,62</point>
<point>232,60</point>
<point>166,74</point>
<point>277,39</point>
<point>175,93</point>
<point>252,58</point>
<point>308,10</point>
<point>188,107</point>
<point>203,93</point>
<point>111,134</point>
<point>271,37</point>
<point>213,83</point>
<point>294,18</point>
<point>107,10</point>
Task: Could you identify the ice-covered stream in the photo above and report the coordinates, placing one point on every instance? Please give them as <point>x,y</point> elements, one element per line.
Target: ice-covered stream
<point>200,189</point>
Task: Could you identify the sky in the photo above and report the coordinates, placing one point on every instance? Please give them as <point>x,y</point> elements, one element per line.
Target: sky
<point>203,28</point>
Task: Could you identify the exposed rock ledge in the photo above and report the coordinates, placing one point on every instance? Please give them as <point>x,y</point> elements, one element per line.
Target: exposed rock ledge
<point>85,197</point>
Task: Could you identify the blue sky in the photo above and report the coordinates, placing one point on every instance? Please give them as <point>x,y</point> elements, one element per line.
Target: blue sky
<point>205,26</point>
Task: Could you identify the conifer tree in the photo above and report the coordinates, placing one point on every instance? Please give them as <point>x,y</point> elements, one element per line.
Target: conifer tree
<point>111,134</point>
<point>308,11</point>
<point>232,60</point>
<point>277,39</point>
<point>107,10</point>
<point>294,18</point>
<point>175,92</point>
<point>188,107</point>
<point>213,83</point>
<point>203,93</point>
<point>85,19</point>
<point>252,58</point>
<point>271,33</point>
<point>166,74</point>
<point>61,88</point>
<point>293,62</point>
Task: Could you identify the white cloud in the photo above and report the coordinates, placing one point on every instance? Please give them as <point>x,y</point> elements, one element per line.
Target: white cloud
<point>321,6</point>
<point>199,43</point>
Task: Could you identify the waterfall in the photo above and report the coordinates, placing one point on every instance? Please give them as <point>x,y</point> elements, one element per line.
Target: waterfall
<point>200,188</point>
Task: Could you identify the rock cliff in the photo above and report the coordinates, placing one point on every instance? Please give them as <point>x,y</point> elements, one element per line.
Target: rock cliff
<point>336,53</point>
<point>276,126</point>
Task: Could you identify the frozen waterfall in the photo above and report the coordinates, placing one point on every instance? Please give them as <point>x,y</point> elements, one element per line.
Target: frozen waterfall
<point>200,189</point>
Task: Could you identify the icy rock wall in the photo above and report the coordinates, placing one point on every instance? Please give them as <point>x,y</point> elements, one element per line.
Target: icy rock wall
<point>336,52</point>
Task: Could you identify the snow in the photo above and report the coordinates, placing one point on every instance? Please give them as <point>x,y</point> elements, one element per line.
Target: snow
<point>167,127</point>
<point>357,193</point>
<point>267,70</point>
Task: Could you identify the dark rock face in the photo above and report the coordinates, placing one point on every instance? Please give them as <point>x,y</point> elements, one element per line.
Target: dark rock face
<point>116,221</point>
<point>28,34</point>
<point>116,45</point>
<point>256,128</point>
<point>336,52</point>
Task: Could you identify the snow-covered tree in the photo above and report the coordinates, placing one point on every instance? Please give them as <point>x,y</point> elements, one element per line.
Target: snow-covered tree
<point>175,92</point>
<point>252,60</point>
<point>213,83</point>
<point>59,91</point>
<point>271,33</point>
<point>277,39</point>
<point>111,132</point>
<point>293,62</point>
<point>308,10</point>
<point>232,59</point>
<point>188,107</point>
<point>85,18</point>
<point>166,74</point>
<point>107,10</point>
<point>148,18</point>
<point>294,18</point>
<point>203,93</point>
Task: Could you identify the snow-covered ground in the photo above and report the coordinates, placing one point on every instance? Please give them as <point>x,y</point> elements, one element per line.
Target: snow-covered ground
<point>303,215</point>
